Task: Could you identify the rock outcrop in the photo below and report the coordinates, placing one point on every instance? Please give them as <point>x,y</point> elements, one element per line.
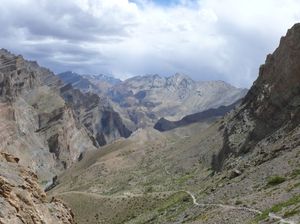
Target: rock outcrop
<point>145,99</point>
<point>98,84</point>
<point>36,123</point>
<point>270,112</point>
<point>23,201</point>
<point>142,100</point>
<point>103,124</point>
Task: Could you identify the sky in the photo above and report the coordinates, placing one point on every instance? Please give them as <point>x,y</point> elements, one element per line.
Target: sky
<point>206,39</point>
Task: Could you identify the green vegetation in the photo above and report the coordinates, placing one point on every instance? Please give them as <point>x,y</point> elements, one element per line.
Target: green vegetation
<point>291,213</point>
<point>93,208</point>
<point>174,199</point>
<point>184,178</point>
<point>295,173</point>
<point>167,210</point>
<point>275,180</point>
<point>238,202</point>
<point>297,185</point>
<point>149,189</point>
<point>278,207</point>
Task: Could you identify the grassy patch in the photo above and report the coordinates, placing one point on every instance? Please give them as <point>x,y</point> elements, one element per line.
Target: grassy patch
<point>297,185</point>
<point>166,211</point>
<point>295,173</point>
<point>291,213</point>
<point>95,209</point>
<point>185,178</point>
<point>278,207</point>
<point>275,180</point>
<point>238,202</point>
<point>174,199</point>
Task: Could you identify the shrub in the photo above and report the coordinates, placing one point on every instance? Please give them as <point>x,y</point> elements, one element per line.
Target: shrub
<point>275,180</point>
<point>238,202</point>
<point>295,173</point>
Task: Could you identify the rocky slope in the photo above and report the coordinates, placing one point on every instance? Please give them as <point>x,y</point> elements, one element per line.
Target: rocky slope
<point>145,99</point>
<point>23,201</point>
<point>103,82</point>
<point>103,124</point>
<point>49,127</point>
<point>271,110</point>
<point>98,84</point>
<point>243,168</point>
<point>204,116</point>
<point>36,124</point>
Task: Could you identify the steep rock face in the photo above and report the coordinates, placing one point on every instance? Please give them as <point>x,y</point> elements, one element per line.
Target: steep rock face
<point>142,100</point>
<point>145,99</point>
<point>103,124</point>
<point>23,201</point>
<point>103,82</point>
<point>36,119</point>
<point>89,83</point>
<point>78,82</point>
<point>270,111</point>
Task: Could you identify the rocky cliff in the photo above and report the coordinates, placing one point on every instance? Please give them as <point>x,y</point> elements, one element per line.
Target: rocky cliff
<point>36,124</point>
<point>98,84</point>
<point>145,99</point>
<point>270,112</point>
<point>243,168</point>
<point>23,201</point>
<point>103,124</point>
<point>142,100</point>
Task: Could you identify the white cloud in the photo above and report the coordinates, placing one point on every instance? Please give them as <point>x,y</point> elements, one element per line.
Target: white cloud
<point>207,39</point>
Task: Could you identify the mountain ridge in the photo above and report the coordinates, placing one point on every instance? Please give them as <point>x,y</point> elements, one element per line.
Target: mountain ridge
<point>242,168</point>
<point>209,115</point>
<point>143,100</point>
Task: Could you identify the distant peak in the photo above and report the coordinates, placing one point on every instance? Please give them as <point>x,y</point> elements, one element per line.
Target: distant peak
<point>68,73</point>
<point>179,76</point>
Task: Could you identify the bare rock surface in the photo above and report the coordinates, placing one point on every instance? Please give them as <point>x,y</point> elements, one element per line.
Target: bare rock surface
<point>146,99</point>
<point>243,168</point>
<point>37,125</point>
<point>23,201</point>
<point>142,100</point>
<point>271,109</point>
<point>104,125</point>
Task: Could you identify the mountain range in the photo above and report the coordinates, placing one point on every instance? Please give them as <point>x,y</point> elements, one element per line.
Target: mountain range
<point>216,154</point>
<point>142,100</point>
<point>242,168</point>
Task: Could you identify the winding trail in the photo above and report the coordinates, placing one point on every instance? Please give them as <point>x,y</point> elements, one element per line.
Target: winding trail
<point>252,210</point>
<point>222,205</point>
<point>281,220</point>
<point>271,215</point>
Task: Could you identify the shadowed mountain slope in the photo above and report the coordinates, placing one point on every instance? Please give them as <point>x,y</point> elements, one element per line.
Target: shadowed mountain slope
<point>142,100</point>
<point>145,99</point>
<point>104,125</point>
<point>207,115</point>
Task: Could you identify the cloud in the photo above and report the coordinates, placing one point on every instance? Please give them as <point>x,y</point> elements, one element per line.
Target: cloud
<point>206,39</point>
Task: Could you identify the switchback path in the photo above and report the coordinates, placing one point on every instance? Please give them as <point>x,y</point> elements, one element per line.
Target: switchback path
<point>271,215</point>
<point>252,210</point>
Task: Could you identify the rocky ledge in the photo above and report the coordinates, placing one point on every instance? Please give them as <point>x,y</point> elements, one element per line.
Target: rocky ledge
<point>23,201</point>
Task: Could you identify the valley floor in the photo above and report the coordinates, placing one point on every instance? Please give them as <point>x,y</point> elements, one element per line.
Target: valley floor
<point>165,178</point>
